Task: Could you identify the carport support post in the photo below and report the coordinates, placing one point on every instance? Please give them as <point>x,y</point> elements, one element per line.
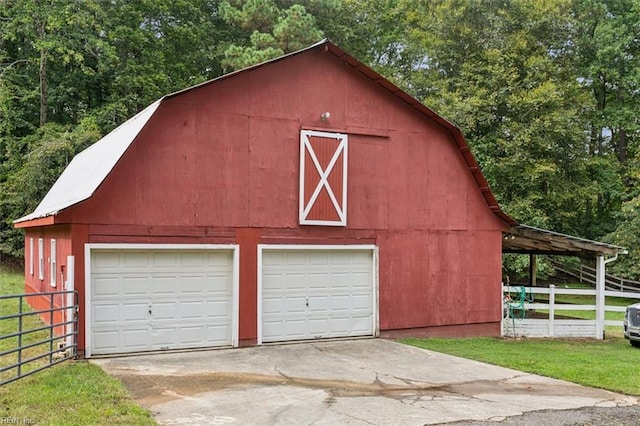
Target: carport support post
<point>600,267</point>
<point>532,270</point>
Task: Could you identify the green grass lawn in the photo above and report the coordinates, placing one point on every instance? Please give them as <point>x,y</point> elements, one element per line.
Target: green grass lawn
<point>609,364</point>
<point>80,393</point>
<point>71,393</point>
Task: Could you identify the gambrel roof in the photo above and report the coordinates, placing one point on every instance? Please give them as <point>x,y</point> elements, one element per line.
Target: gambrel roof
<point>88,169</point>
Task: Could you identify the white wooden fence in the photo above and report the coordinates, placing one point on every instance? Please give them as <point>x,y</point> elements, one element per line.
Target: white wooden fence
<point>513,324</point>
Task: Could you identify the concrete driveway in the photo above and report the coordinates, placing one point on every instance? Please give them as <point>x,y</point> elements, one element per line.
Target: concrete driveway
<point>368,381</point>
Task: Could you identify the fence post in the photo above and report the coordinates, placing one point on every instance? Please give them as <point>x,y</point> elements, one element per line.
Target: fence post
<point>600,265</point>
<point>51,323</point>
<point>502,315</point>
<point>20,300</point>
<point>552,309</point>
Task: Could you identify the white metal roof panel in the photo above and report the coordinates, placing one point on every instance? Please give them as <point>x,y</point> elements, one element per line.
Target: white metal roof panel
<point>90,167</point>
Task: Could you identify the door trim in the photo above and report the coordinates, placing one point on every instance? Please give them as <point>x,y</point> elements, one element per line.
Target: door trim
<point>234,248</point>
<point>374,266</point>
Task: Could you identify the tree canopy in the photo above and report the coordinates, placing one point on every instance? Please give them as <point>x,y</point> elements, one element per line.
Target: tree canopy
<point>546,92</point>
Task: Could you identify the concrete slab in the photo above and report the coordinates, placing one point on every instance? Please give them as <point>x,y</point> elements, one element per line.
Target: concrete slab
<point>367,381</point>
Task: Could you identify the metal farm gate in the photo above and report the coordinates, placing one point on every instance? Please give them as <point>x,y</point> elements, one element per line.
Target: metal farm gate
<point>32,340</point>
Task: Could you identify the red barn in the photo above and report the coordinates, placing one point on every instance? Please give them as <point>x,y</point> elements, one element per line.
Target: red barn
<point>303,198</point>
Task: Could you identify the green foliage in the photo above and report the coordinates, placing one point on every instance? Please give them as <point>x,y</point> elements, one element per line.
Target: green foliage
<point>627,235</point>
<point>38,161</point>
<point>546,92</point>
<point>271,28</point>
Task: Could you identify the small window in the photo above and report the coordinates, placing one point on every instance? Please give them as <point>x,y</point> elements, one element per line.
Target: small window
<point>52,279</point>
<point>41,259</point>
<point>31,260</point>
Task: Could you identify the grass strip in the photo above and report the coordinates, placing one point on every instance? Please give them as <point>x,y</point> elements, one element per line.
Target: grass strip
<point>610,364</point>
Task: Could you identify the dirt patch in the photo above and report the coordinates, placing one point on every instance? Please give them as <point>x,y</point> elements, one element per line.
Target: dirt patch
<point>150,390</point>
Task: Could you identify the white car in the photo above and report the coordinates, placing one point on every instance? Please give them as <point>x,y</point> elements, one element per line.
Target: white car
<point>632,325</point>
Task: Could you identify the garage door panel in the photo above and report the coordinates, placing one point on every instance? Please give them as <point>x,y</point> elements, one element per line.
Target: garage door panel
<point>219,283</point>
<point>192,284</point>
<point>341,303</point>
<point>293,281</point>
<point>164,286</point>
<point>310,294</point>
<point>109,313</point>
<point>319,327</point>
<point>107,262</point>
<point>164,310</point>
<point>105,287</point>
<point>189,293</point>
<point>342,281</point>
<point>218,333</point>
<point>134,261</point>
<point>134,285</point>
<point>361,324</point>
<point>136,338</point>
<point>163,337</point>
<point>295,304</point>
<point>191,335</point>
<point>361,301</point>
<point>191,310</point>
<point>318,258</point>
<point>219,260</point>
<point>218,309</point>
<point>164,260</point>
<point>134,312</point>
<point>107,341</point>
<point>272,305</point>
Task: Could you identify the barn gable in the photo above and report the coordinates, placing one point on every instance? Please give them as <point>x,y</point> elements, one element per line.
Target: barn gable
<point>88,169</point>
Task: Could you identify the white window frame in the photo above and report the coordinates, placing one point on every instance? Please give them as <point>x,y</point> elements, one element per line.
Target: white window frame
<point>41,259</point>
<point>31,260</point>
<point>53,264</point>
<point>305,209</point>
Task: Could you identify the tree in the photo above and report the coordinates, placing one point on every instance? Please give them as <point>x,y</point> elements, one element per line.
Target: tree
<point>271,28</point>
<point>505,73</point>
<point>71,71</point>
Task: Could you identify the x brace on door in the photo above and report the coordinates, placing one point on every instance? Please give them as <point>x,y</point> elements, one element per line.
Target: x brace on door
<point>323,201</point>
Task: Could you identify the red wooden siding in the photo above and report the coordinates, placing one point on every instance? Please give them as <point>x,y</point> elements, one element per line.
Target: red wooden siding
<point>221,164</point>
<point>33,283</point>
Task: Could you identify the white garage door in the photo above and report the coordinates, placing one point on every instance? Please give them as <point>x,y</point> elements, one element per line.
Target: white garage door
<point>314,294</point>
<point>143,300</point>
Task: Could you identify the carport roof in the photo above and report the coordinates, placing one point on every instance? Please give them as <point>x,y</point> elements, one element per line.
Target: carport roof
<point>523,239</point>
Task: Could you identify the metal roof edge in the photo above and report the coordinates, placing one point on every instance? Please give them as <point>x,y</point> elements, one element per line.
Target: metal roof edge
<point>247,69</point>
<point>68,189</point>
